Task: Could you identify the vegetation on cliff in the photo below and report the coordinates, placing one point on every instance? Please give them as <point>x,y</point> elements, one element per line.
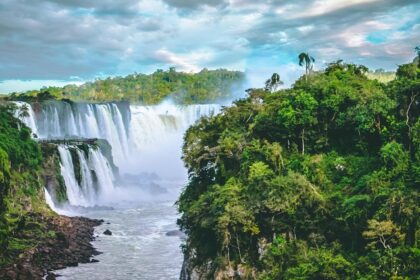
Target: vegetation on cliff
<point>184,88</point>
<point>21,190</point>
<point>33,239</point>
<point>319,181</point>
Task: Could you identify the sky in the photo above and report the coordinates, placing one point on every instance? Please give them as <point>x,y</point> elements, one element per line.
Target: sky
<point>56,42</point>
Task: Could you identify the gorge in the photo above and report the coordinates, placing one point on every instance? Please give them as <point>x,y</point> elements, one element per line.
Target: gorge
<point>120,163</point>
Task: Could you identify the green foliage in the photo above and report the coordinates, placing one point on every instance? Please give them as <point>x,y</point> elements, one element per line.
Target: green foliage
<point>320,181</point>
<point>20,187</point>
<point>15,140</point>
<point>184,88</point>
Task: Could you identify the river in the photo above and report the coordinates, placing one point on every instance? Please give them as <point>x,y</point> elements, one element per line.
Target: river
<point>139,247</point>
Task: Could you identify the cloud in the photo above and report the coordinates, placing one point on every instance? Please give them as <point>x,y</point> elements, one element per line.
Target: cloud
<point>193,4</point>
<point>57,39</point>
<point>323,7</point>
<point>187,62</point>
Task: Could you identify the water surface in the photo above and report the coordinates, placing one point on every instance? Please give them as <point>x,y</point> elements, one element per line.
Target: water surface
<point>138,247</point>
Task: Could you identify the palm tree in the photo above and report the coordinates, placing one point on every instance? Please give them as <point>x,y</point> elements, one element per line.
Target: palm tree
<point>273,83</point>
<point>305,58</point>
<point>417,49</point>
<point>23,111</point>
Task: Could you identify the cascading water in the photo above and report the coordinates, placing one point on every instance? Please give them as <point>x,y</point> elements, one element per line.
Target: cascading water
<point>74,191</point>
<point>146,146</point>
<point>28,120</point>
<point>59,120</point>
<point>156,134</point>
<point>49,200</point>
<point>104,174</point>
<point>96,181</point>
<point>130,130</point>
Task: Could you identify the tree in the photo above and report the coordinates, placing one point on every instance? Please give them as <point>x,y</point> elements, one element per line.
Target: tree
<point>417,49</point>
<point>298,113</point>
<point>273,83</point>
<point>183,88</point>
<point>23,111</point>
<point>382,233</point>
<point>308,61</point>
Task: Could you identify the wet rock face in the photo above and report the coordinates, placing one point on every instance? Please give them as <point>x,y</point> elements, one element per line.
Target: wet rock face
<point>70,246</point>
<point>107,232</point>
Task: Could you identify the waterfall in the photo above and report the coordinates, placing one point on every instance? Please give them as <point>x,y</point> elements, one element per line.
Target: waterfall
<point>156,135</point>
<point>29,120</point>
<point>87,185</point>
<point>144,139</point>
<point>151,123</point>
<point>96,176</point>
<point>103,173</point>
<point>59,120</point>
<point>49,200</point>
<point>127,135</point>
<point>73,190</point>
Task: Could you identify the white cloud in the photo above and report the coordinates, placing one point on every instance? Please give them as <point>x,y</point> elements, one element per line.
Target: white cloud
<point>188,62</point>
<point>322,7</point>
<point>87,38</point>
<point>306,28</point>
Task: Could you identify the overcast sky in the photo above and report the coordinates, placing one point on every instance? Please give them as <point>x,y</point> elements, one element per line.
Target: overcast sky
<point>53,42</point>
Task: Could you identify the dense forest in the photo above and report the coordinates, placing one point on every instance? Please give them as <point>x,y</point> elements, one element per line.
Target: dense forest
<point>184,88</point>
<point>21,190</point>
<point>319,181</point>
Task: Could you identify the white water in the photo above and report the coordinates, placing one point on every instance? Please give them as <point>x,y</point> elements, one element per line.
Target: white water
<point>146,145</point>
<point>29,121</point>
<point>139,247</point>
<point>156,135</point>
<point>88,192</point>
<point>129,129</point>
<point>49,200</point>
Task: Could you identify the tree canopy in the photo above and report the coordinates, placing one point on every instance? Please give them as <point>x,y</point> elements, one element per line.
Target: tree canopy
<point>185,88</point>
<point>319,181</point>
<point>20,185</point>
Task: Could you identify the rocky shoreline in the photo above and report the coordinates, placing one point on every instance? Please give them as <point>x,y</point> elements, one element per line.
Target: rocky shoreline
<point>70,245</point>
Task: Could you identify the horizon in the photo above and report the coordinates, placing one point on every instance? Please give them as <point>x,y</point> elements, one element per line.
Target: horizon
<point>80,41</point>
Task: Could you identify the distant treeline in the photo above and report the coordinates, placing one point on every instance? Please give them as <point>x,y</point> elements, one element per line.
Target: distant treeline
<point>184,88</point>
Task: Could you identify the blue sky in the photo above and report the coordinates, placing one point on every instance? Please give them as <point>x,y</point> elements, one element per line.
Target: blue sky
<point>54,42</point>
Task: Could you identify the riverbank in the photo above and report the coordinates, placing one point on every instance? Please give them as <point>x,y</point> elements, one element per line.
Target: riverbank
<point>68,245</point>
